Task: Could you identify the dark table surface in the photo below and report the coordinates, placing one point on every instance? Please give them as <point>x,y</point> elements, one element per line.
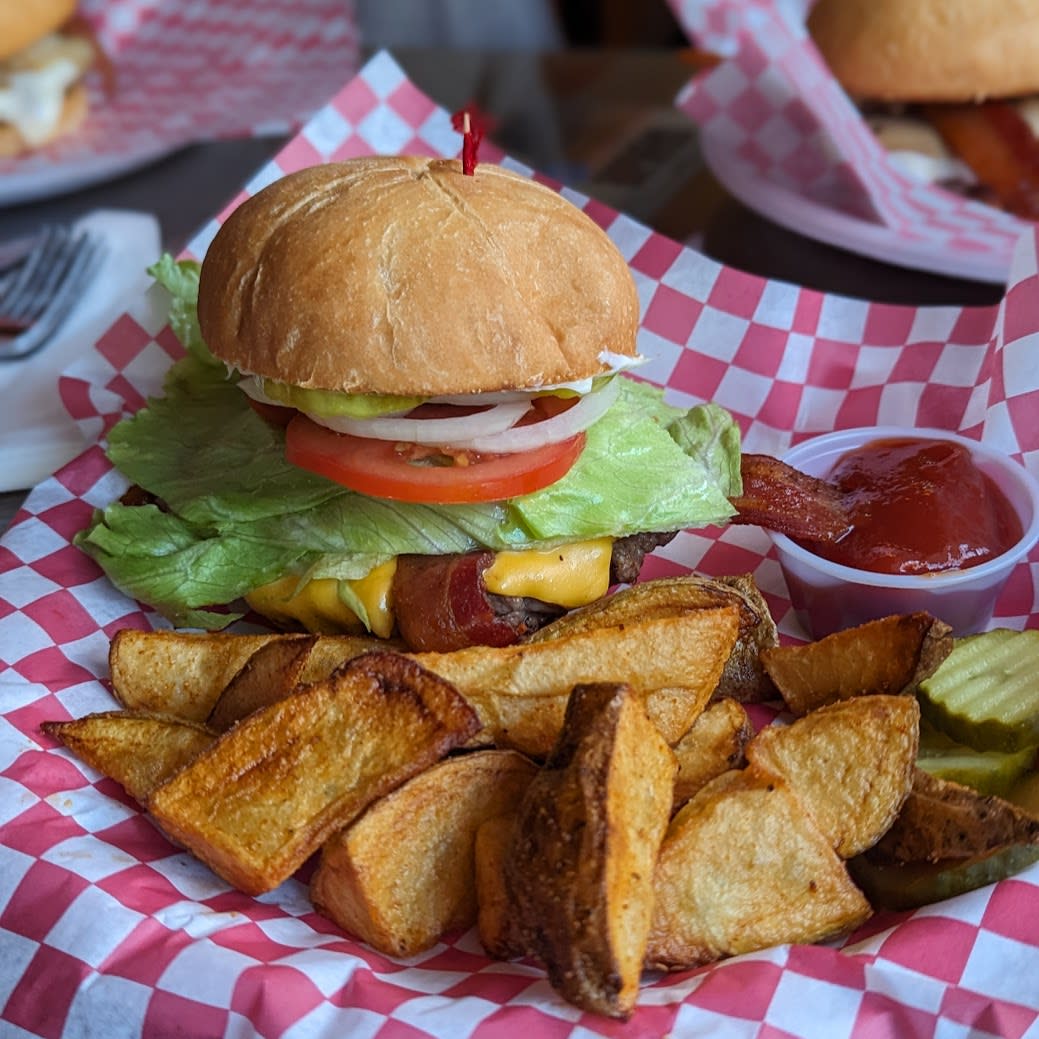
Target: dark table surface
<point>602,122</point>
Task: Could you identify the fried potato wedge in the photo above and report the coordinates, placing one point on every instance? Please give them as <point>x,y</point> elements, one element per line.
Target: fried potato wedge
<point>743,867</point>
<point>579,870</point>
<point>403,874</point>
<point>942,820</point>
<point>521,692</point>
<point>712,746</point>
<point>851,763</point>
<point>947,839</point>
<point>744,676</point>
<point>891,655</point>
<point>269,675</point>
<point>139,751</point>
<point>496,922</point>
<point>183,673</point>
<point>270,791</point>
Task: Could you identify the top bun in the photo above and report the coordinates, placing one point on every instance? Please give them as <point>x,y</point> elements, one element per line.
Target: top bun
<point>930,50</point>
<point>25,21</point>
<point>401,275</point>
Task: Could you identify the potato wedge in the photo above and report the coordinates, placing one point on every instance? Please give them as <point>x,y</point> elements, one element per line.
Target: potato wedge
<point>891,655</point>
<point>712,746</point>
<point>139,751</point>
<point>183,673</point>
<point>851,763</point>
<point>269,675</point>
<point>947,839</point>
<point>521,692</point>
<point>579,871</point>
<point>496,921</point>
<point>744,676</point>
<point>403,874</point>
<point>742,867</point>
<point>271,790</point>
<point>942,820</point>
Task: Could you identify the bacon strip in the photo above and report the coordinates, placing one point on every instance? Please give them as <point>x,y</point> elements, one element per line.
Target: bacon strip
<point>441,603</point>
<point>780,498</point>
<point>998,145</point>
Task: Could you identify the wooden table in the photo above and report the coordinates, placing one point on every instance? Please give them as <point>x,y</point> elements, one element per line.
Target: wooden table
<point>602,122</point>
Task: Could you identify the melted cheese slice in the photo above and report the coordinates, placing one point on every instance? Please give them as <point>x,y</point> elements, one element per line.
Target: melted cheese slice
<point>32,101</point>
<point>319,607</point>
<point>569,576</point>
<point>34,81</point>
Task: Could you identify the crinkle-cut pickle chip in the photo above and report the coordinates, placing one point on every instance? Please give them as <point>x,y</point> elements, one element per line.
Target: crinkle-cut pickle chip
<point>987,771</point>
<point>908,885</point>
<point>986,692</point>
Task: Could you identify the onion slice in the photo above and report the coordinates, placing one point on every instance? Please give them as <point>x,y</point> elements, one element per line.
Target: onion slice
<point>588,410</point>
<point>493,430</point>
<point>435,431</point>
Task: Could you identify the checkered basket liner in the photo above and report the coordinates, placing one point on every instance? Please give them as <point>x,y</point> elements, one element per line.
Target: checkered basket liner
<point>775,111</point>
<point>190,70</point>
<point>108,929</point>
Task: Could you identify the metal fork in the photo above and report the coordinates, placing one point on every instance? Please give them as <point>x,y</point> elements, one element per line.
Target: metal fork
<point>37,294</point>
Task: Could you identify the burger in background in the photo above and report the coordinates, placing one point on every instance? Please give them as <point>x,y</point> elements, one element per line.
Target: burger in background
<point>44,55</point>
<point>405,408</point>
<point>949,87</point>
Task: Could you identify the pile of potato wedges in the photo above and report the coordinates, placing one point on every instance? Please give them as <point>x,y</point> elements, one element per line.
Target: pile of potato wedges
<point>596,798</point>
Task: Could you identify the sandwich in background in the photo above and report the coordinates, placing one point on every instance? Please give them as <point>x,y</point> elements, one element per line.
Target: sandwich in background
<point>948,86</point>
<point>43,58</point>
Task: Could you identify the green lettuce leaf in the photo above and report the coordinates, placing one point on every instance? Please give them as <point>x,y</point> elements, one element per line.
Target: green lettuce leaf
<point>238,515</point>
<point>180,279</point>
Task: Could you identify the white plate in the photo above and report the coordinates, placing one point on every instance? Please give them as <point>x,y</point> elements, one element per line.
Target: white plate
<point>824,224</point>
<point>36,431</point>
<point>36,181</point>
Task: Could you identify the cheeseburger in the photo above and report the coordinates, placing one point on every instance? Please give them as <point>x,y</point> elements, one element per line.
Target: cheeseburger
<point>42,64</point>
<point>951,88</point>
<point>405,409</point>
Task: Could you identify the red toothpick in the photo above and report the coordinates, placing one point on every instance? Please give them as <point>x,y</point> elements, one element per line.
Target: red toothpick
<point>472,125</point>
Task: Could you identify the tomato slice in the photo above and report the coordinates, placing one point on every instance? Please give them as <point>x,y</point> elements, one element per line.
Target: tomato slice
<point>385,469</point>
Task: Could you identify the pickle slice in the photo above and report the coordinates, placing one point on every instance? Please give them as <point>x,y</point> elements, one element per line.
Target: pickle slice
<point>986,692</point>
<point>987,771</point>
<point>908,885</point>
<point>1025,793</point>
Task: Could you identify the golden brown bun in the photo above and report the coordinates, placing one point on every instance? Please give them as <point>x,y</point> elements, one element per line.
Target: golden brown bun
<point>930,50</point>
<point>401,275</point>
<point>24,21</point>
<point>11,141</point>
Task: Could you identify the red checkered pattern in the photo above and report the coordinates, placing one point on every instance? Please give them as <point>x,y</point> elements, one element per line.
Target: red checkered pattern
<point>188,70</point>
<point>107,929</point>
<point>775,111</point>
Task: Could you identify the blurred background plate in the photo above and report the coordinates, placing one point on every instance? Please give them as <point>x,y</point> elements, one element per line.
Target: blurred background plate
<point>64,175</point>
<point>825,224</point>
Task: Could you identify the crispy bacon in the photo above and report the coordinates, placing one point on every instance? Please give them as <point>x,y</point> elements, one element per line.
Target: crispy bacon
<point>778,497</point>
<point>995,141</point>
<point>441,603</point>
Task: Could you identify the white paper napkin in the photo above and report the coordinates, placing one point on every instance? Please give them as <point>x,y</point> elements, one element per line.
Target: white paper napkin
<point>37,436</point>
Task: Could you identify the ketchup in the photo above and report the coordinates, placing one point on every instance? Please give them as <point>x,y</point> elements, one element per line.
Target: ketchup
<point>918,506</point>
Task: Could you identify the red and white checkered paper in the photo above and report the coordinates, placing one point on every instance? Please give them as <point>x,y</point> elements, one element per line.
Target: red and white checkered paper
<point>189,70</point>
<point>107,929</point>
<point>774,112</point>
